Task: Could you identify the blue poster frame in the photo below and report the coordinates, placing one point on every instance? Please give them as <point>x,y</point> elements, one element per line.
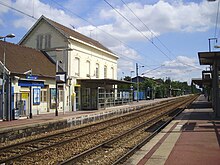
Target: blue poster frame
<point>36,96</point>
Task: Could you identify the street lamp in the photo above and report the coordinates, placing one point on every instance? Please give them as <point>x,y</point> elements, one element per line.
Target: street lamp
<point>3,74</point>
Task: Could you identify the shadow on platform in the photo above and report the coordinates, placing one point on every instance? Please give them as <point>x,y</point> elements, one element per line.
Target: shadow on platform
<point>209,126</point>
<point>200,105</point>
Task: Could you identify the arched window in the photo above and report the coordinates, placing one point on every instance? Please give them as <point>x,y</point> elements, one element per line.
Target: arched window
<point>88,68</point>
<point>105,71</point>
<point>112,71</point>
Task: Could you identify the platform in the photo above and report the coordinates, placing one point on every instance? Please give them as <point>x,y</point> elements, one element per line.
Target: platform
<point>10,130</point>
<point>192,138</point>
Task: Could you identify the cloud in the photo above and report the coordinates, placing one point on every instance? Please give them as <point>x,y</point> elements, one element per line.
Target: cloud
<point>163,17</point>
<point>180,62</point>
<point>180,69</point>
<point>4,10</point>
<point>127,56</point>
<point>160,17</point>
<point>36,9</point>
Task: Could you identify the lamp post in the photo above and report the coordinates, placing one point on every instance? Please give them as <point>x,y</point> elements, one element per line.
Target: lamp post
<point>3,74</point>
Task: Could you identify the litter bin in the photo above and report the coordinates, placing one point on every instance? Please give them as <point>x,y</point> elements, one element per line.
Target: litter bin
<point>15,113</point>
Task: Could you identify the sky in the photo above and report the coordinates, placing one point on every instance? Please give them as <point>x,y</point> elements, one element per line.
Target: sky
<point>161,37</point>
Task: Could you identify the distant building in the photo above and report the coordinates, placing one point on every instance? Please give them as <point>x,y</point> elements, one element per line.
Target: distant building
<point>91,68</point>
<point>30,81</point>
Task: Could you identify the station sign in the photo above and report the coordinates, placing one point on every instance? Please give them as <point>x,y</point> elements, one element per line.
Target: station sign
<point>31,77</point>
<point>61,77</point>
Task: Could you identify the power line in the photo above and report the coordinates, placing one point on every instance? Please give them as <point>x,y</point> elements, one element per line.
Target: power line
<point>147,27</point>
<point>153,69</point>
<point>155,35</point>
<point>19,11</point>
<point>134,60</point>
<point>137,29</point>
<point>28,15</point>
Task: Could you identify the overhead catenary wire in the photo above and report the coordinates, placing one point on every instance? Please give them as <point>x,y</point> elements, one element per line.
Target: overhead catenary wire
<point>147,27</point>
<point>113,37</point>
<point>152,69</point>
<point>19,11</point>
<point>33,17</point>
<point>138,30</point>
<point>156,36</point>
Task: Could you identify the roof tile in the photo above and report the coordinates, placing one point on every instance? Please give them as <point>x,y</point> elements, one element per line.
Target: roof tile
<point>20,59</point>
<point>69,32</point>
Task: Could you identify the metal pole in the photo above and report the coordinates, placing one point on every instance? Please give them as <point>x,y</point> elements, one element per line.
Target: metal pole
<point>209,45</point>
<point>3,82</point>
<point>137,82</point>
<point>9,99</point>
<point>56,111</point>
<point>30,115</point>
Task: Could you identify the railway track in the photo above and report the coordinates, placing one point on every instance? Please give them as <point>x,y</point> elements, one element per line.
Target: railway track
<point>58,148</point>
<point>117,150</point>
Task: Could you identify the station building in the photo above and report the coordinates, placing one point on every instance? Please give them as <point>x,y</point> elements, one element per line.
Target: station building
<point>29,81</point>
<point>91,68</point>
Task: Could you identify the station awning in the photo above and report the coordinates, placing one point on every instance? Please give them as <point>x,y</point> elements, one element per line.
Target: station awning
<point>103,81</point>
<point>201,82</point>
<point>30,83</point>
<point>207,58</point>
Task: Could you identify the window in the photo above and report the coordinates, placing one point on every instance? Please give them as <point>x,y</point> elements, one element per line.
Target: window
<point>87,68</point>
<point>43,96</point>
<point>39,41</point>
<point>112,70</point>
<point>47,41</point>
<point>61,95</point>
<point>77,66</point>
<point>97,71</point>
<point>105,71</point>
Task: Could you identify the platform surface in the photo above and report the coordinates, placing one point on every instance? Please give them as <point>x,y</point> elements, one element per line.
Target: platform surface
<point>192,138</point>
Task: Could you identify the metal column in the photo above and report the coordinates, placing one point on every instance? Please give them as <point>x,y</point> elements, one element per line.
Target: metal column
<point>216,105</point>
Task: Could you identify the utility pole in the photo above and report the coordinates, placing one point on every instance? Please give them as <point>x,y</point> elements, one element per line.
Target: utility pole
<point>137,82</point>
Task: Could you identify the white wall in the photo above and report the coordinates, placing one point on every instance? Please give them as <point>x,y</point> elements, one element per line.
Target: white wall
<point>43,28</point>
<point>81,50</point>
<point>44,107</point>
<point>85,53</point>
